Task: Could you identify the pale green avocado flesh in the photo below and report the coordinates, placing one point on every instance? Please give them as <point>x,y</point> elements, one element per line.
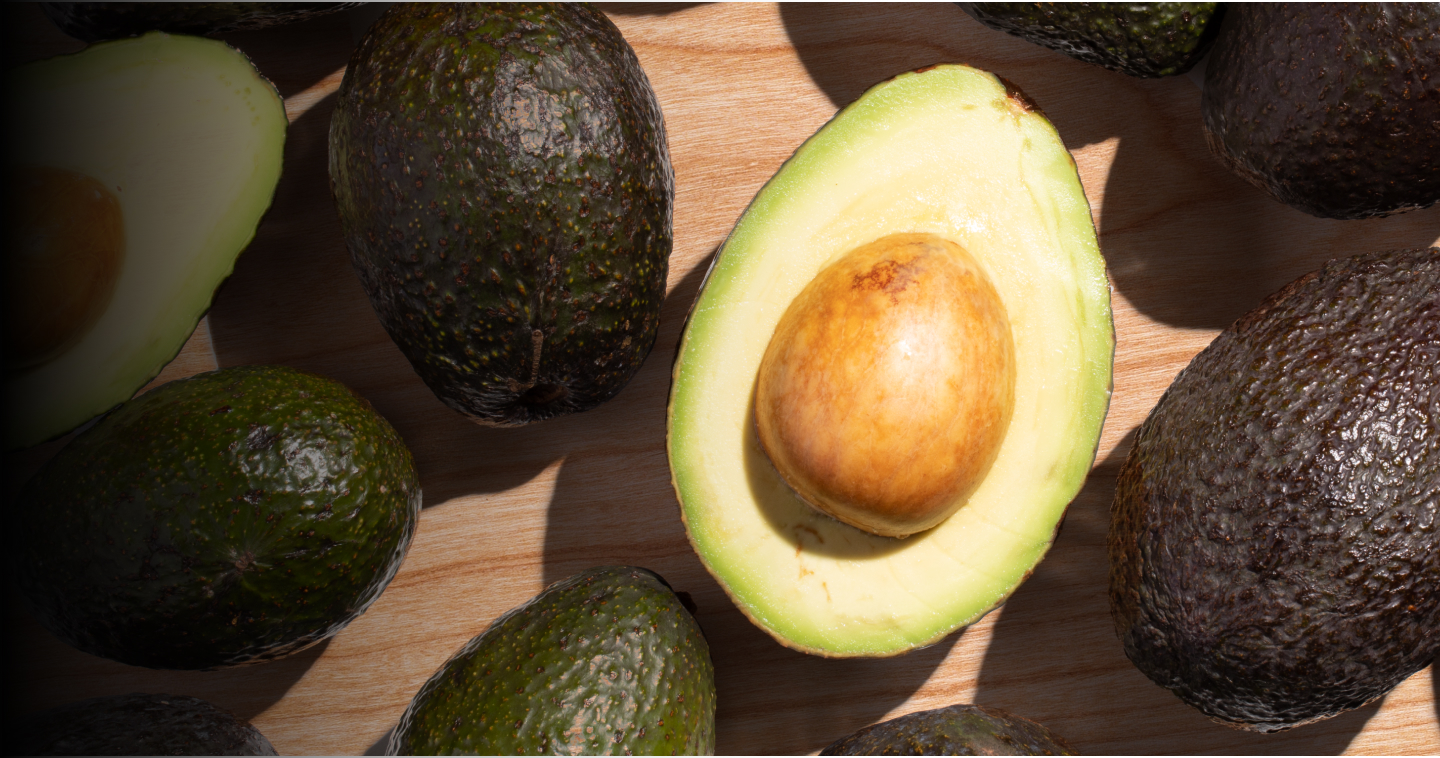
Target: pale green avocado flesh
<point>951,151</point>
<point>189,138</point>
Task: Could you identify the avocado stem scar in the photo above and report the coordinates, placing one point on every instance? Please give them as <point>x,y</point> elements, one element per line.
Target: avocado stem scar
<point>537,339</point>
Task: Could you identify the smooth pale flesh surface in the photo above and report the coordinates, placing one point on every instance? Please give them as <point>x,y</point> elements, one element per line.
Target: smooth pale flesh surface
<point>189,138</point>
<point>885,392</point>
<point>949,152</point>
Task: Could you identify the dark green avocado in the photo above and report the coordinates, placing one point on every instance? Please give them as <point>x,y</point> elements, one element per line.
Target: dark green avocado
<point>1275,537</point>
<point>137,724</point>
<point>607,662</point>
<point>92,22</point>
<point>232,517</point>
<point>1332,108</point>
<point>956,730</point>
<point>505,191</point>
<point>1140,39</point>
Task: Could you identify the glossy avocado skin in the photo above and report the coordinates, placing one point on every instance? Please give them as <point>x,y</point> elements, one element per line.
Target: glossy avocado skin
<point>955,730</point>
<point>1275,541</point>
<point>1330,108</point>
<point>1147,40</point>
<point>230,518</point>
<point>505,190</point>
<point>606,662</point>
<point>92,22</point>
<point>137,724</point>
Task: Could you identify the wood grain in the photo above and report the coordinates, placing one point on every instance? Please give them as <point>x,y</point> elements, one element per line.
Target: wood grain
<point>1190,247</point>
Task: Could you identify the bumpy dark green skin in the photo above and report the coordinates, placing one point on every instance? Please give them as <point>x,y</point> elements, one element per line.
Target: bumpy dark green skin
<point>1275,542</point>
<point>93,22</point>
<point>233,517</point>
<point>956,730</point>
<point>1140,39</point>
<point>607,662</point>
<point>1331,108</point>
<point>138,724</point>
<point>505,190</point>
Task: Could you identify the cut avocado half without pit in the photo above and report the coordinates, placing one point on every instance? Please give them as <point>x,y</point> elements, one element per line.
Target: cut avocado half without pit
<point>136,172</point>
<point>948,152</point>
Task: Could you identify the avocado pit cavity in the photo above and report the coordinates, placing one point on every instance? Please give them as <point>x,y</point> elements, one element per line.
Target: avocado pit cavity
<point>887,388</point>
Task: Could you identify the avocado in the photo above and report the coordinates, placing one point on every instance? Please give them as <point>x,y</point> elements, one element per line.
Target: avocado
<point>607,662</point>
<point>1275,543</point>
<point>512,226</point>
<point>236,516</point>
<point>136,172</point>
<point>92,22</point>
<point>1148,40</point>
<point>956,730</point>
<point>137,724</point>
<point>1330,108</point>
<point>947,152</point>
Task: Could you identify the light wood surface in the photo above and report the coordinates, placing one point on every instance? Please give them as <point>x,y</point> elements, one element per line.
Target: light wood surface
<point>1190,247</point>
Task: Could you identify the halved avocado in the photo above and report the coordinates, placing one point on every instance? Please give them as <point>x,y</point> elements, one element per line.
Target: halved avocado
<point>949,151</point>
<point>136,172</point>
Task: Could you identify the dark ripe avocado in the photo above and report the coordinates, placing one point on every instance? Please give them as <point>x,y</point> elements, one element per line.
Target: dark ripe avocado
<point>1275,543</point>
<point>607,662</point>
<point>92,22</point>
<point>505,191</point>
<point>956,730</point>
<point>233,517</point>
<point>1140,39</point>
<point>1330,107</point>
<point>137,724</point>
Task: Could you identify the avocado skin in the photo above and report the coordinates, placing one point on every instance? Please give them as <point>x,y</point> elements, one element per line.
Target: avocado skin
<point>92,22</point>
<point>955,730</point>
<point>229,518</point>
<point>608,661</point>
<point>1147,40</point>
<point>1275,541</point>
<point>137,724</point>
<point>505,190</point>
<point>1330,108</point>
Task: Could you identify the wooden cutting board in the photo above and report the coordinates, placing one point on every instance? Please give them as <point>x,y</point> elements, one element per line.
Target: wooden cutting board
<point>1190,247</point>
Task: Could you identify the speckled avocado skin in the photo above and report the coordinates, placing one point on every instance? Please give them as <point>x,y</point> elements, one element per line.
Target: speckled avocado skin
<point>232,517</point>
<point>1332,108</point>
<point>93,22</point>
<point>505,191</point>
<point>1275,537</point>
<point>137,724</point>
<point>1140,39</point>
<point>956,730</point>
<point>607,662</point>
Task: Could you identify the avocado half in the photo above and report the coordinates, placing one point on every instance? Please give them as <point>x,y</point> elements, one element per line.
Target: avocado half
<point>186,139</point>
<point>950,151</point>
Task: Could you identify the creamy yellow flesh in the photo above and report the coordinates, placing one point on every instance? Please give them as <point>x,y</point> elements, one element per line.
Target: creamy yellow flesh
<point>189,138</point>
<point>943,152</point>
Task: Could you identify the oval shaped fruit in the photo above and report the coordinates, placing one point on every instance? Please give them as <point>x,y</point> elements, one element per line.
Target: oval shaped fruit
<point>954,730</point>
<point>607,662</point>
<point>505,190</point>
<point>885,392</point>
<point>188,138</point>
<point>137,724</point>
<point>948,151</point>
<point>232,517</point>
<point>1275,538</point>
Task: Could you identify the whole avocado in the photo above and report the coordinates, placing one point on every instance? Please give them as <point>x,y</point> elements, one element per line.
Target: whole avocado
<point>1329,107</point>
<point>955,730</point>
<point>92,22</point>
<point>233,517</point>
<point>1275,539</point>
<point>137,724</point>
<point>1147,40</point>
<point>505,191</point>
<point>606,662</point>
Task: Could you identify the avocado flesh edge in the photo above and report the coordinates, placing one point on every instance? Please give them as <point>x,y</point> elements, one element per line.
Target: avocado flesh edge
<point>193,138</point>
<point>950,152</point>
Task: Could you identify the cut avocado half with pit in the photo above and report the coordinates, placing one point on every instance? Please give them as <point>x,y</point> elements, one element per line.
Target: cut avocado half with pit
<point>136,172</point>
<point>948,151</point>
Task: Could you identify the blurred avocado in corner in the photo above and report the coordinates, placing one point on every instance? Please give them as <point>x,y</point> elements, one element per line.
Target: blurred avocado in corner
<point>92,22</point>
<point>137,724</point>
<point>1147,40</point>
<point>954,730</point>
